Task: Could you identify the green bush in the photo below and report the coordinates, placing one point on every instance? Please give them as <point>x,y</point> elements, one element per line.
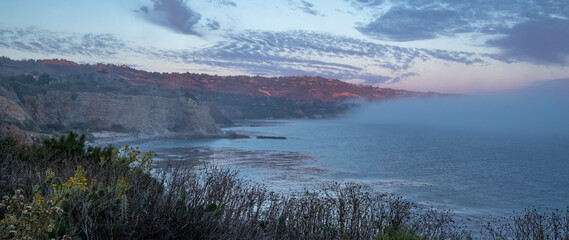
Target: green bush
<point>87,190</point>
<point>69,148</point>
<point>7,146</point>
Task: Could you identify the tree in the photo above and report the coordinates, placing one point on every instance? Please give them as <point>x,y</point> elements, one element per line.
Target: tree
<point>44,78</point>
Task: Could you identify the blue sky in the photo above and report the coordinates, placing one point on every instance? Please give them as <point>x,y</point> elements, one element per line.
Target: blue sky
<point>444,46</point>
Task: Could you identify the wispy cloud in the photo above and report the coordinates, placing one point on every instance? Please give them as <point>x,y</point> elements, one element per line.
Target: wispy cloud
<point>286,53</point>
<point>365,3</point>
<point>225,3</point>
<point>253,52</point>
<point>402,24</point>
<point>545,41</point>
<point>172,14</point>
<point>51,42</point>
<point>212,24</point>
<point>372,79</point>
<point>305,6</point>
<point>535,30</point>
<point>403,77</point>
<point>409,20</point>
<point>308,7</point>
<point>454,56</point>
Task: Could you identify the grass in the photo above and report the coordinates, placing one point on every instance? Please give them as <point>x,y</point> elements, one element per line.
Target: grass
<point>65,190</point>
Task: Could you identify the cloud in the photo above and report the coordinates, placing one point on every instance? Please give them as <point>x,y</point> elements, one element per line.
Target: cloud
<point>227,3</point>
<point>172,14</point>
<point>359,4</point>
<point>454,56</point>
<point>535,31</point>
<point>308,7</point>
<point>212,24</point>
<point>402,24</point>
<point>50,42</point>
<point>544,41</point>
<point>371,79</point>
<point>304,6</point>
<point>409,20</point>
<point>312,53</point>
<point>253,52</point>
<point>403,77</point>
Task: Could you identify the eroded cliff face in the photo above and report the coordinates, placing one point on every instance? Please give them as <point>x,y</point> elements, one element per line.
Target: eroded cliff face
<point>95,111</point>
<point>144,114</point>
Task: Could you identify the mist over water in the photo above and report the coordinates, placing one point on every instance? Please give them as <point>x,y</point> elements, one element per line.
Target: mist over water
<point>544,111</point>
<point>492,153</point>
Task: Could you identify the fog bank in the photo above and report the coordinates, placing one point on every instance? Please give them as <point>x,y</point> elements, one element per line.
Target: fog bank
<point>540,109</point>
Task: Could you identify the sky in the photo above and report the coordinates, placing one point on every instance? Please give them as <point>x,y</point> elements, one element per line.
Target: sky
<point>450,46</point>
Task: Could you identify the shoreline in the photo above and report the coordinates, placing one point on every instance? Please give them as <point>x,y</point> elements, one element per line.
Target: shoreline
<point>114,138</point>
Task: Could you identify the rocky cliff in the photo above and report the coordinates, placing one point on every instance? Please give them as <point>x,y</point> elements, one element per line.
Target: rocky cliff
<point>144,114</point>
<point>50,111</point>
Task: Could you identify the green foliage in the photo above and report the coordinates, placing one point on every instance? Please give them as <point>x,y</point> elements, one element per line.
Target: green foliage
<point>44,78</point>
<point>64,148</point>
<point>7,146</point>
<point>392,233</point>
<point>103,71</point>
<point>22,85</point>
<point>70,148</point>
<point>28,220</point>
<point>95,199</point>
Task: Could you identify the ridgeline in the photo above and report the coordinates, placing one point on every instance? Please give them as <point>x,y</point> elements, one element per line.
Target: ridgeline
<point>39,98</point>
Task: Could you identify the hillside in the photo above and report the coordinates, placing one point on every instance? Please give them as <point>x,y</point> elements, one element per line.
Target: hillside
<point>46,96</point>
<point>292,88</point>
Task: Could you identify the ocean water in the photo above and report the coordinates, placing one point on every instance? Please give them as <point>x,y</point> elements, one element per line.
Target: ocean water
<point>481,156</point>
<point>472,172</point>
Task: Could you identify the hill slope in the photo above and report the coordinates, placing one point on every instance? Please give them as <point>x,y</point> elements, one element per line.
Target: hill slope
<point>57,95</point>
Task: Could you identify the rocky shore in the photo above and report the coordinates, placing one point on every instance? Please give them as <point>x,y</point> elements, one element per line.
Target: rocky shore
<point>106,137</point>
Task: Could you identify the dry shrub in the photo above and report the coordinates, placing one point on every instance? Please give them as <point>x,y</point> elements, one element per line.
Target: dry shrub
<point>531,223</point>
<point>109,194</point>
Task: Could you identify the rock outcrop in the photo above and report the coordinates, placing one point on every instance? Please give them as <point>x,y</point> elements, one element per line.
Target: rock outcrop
<point>97,111</point>
<point>145,114</point>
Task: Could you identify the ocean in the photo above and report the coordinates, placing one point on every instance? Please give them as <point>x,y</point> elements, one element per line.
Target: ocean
<point>480,157</point>
<point>469,172</point>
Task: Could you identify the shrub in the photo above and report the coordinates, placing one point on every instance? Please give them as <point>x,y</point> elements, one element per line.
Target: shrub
<point>114,193</point>
<point>72,146</point>
<point>531,223</point>
<point>7,146</point>
<point>33,220</point>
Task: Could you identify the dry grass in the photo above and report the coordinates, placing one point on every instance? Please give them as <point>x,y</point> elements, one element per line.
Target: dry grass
<point>108,194</point>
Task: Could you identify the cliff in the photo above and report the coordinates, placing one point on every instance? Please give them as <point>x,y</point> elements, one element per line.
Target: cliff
<point>33,117</point>
<point>53,96</point>
<point>143,114</point>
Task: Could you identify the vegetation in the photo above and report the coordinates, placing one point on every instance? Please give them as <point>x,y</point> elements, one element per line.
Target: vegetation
<point>530,224</point>
<point>63,189</point>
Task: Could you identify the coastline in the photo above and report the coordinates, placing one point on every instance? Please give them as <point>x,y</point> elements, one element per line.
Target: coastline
<point>114,138</point>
